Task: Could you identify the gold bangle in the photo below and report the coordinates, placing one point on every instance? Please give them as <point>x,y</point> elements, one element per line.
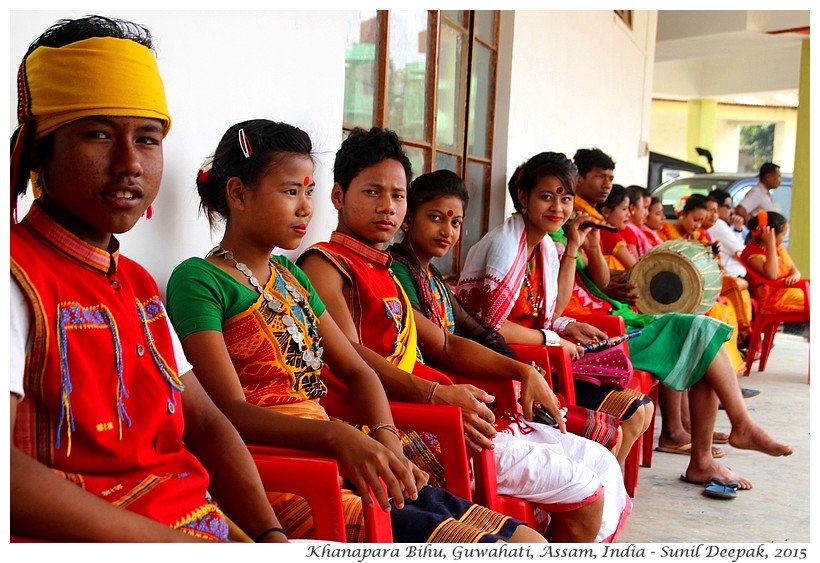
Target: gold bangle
<point>385,426</point>
<point>431,392</point>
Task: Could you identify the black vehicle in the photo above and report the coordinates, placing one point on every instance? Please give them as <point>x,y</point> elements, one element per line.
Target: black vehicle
<point>663,168</point>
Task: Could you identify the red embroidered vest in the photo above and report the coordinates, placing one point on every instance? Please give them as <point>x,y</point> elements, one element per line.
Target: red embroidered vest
<point>102,404</point>
<point>376,303</point>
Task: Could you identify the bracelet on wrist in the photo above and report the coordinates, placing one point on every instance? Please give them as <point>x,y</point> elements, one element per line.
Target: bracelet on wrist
<point>550,338</point>
<point>561,323</point>
<point>385,426</point>
<point>431,392</point>
<point>258,538</point>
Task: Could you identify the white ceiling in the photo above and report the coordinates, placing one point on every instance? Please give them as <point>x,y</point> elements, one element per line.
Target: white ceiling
<point>734,56</point>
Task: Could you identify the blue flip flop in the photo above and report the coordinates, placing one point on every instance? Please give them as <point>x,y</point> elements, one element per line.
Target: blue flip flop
<point>724,490</point>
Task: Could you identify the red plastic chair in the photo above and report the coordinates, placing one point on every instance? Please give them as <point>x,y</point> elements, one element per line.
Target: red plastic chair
<point>766,324</point>
<point>446,423</point>
<point>441,420</point>
<point>507,392</point>
<point>315,477</point>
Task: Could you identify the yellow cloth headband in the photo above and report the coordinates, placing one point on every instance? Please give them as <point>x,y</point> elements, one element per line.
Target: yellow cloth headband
<point>97,76</point>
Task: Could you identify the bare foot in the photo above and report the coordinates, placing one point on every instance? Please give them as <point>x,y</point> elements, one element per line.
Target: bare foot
<point>703,475</point>
<point>753,437</point>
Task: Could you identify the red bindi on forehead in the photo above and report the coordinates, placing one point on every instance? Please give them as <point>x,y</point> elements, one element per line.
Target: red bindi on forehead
<point>559,190</point>
<point>306,181</point>
<point>449,213</point>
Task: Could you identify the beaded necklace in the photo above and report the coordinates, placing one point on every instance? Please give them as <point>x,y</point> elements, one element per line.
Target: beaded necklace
<point>311,356</point>
<point>533,296</point>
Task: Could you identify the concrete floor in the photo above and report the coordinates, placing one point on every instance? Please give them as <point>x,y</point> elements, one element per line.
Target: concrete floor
<point>777,509</point>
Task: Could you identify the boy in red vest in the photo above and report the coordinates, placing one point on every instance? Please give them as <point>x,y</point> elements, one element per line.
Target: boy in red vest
<point>102,396</point>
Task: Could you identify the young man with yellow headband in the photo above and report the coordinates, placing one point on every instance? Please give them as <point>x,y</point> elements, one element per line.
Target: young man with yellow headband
<point>101,394</point>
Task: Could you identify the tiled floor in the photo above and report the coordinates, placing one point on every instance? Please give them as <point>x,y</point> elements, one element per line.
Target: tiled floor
<point>777,509</point>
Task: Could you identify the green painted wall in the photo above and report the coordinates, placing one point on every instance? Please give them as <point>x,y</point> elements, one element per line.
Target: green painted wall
<point>800,218</point>
<point>701,124</point>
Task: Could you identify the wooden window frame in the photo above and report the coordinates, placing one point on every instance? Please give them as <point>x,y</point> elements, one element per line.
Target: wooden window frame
<point>627,16</point>
<point>428,145</point>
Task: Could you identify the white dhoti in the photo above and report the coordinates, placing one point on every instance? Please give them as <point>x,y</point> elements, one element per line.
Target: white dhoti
<point>561,472</point>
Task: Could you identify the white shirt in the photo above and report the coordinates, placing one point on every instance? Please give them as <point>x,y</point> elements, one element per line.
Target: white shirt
<point>21,336</point>
<point>730,242</point>
<point>759,197</point>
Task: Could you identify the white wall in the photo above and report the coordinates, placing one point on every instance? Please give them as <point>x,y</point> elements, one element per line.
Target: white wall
<point>220,68</point>
<point>567,80</point>
<point>579,80</point>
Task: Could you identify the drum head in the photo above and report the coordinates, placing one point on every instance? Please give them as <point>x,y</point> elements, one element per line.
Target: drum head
<point>668,282</point>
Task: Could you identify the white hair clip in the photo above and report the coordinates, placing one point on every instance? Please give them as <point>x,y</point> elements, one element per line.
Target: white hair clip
<point>244,144</point>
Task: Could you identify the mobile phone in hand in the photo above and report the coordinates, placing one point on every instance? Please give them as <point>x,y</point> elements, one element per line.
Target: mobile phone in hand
<point>540,414</point>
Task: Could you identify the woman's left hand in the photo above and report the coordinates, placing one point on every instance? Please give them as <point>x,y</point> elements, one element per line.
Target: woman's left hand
<point>584,333</point>
<point>576,351</point>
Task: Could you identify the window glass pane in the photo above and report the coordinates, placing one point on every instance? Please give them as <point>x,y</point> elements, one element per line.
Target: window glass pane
<point>450,111</point>
<point>417,159</point>
<point>456,15</point>
<point>473,228</point>
<point>485,25</point>
<point>446,161</point>
<point>406,75</point>
<point>481,83</point>
<point>360,68</point>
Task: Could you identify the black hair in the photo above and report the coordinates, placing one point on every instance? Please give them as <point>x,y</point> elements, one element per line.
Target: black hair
<point>720,196</point>
<point>636,194</point>
<point>617,195</point>
<point>363,149</point>
<point>434,185</point>
<point>693,202</point>
<point>587,159</point>
<point>268,143</point>
<point>654,200</point>
<point>774,220</point>
<point>767,168</point>
<point>65,32</point>
<point>527,175</point>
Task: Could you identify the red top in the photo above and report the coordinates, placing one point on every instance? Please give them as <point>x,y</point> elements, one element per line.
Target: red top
<point>102,398</point>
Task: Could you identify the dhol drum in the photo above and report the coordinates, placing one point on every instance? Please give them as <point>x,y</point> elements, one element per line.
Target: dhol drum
<point>677,276</point>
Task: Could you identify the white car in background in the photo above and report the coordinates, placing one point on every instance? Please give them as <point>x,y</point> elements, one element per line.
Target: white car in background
<point>736,185</point>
